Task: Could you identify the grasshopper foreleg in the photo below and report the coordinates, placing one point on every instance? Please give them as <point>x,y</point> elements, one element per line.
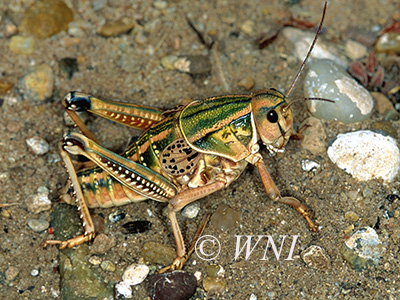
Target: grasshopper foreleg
<point>273,191</point>
<point>175,205</point>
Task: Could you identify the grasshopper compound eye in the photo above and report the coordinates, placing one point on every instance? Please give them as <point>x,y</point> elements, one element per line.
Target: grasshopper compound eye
<point>272,116</point>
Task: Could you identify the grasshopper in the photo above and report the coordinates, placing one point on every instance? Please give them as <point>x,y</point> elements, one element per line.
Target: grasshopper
<point>183,154</point>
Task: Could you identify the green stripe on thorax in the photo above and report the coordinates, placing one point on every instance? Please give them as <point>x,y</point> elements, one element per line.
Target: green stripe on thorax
<point>220,126</point>
<point>204,117</point>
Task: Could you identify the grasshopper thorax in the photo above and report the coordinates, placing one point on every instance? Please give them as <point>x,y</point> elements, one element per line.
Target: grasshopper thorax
<point>273,118</point>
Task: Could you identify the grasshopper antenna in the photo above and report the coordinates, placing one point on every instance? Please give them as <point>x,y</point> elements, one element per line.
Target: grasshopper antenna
<point>309,51</point>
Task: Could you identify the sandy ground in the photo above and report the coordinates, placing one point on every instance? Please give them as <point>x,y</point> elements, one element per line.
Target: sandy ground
<point>120,68</point>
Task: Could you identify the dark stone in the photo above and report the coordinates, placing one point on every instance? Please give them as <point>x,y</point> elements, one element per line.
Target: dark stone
<point>178,285</point>
<point>136,227</point>
<point>69,65</point>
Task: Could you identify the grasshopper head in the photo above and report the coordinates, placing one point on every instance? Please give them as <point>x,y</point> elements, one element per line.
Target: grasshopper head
<point>273,118</point>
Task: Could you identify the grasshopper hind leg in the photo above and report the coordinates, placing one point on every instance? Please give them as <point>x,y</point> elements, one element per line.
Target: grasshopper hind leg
<point>82,208</point>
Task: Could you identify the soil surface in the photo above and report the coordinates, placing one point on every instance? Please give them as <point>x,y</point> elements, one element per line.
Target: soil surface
<point>127,68</point>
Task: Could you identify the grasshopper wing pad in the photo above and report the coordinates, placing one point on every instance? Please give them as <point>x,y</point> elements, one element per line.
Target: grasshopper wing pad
<point>178,158</point>
<point>219,126</point>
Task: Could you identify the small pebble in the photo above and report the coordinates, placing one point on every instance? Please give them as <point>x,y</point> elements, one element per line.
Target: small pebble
<point>302,41</point>
<point>351,216</point>
<point>107,265</point>
<point>13,126</point>
<point>382,103</point>
<point>95,260</point>
<point>213,269</point>
<point>141,38</point>
<point>7,27</point>
<point>135,274</point>
<point>388,43</point>
<point>168,61</point>
<point>99,4</point>
<point>214,285</point>
<point>363,249</point>
<point>6,213</point>
<point>38,84</point>
<point>5,86</point>
<point>353,195</point>
<point>116,216</point>
<point>42,189</point>
<point>193,64</point>
<point>392,115</point>
<point>355,50</point>
<point>197,274</point>
<point>177,285</point>
<point>315,257</point>
<point>115,28</point>
<point>75,29</point>
<point>348,229</point>
<point>35,272</point>
<point>149,212</point>
<point>38,202</point>
<point>191,211</point>
<point>11,273</point>
<point>69,65</point>
<point>160,4</point>
<point>313,136</point>
<point>38,225</point>
<point>309,165</point>
<point>123,290</point>
<point>366,155</point>
<point>247,83</point>
<point>248,27</point>
<point>38,145</point>
<point>53,158</point>
<point>225,218</point>
<point>253,297</point>
<point>22,45</point>
<point>271,295</point>
<point>158,253</point>
<point>102,244</point>
<point>325,79</point>
<point>45,18</point>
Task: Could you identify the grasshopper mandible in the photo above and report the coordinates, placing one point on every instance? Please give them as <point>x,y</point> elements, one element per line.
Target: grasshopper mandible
<point>183,154</point>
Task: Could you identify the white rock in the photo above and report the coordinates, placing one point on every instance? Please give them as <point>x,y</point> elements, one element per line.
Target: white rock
<point>191,211</point>
<point>38,145</point>
<point>325,79</point>
<point>363,248</point>
<point>253,297</point>
<point>197,274</point>
<point>366,155</point>
<point>38,202</point>
<point>135,274</point>
<point>124,289</point>
<point>355,50</point>
<point>38,225</point>
<point>309,165</point>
